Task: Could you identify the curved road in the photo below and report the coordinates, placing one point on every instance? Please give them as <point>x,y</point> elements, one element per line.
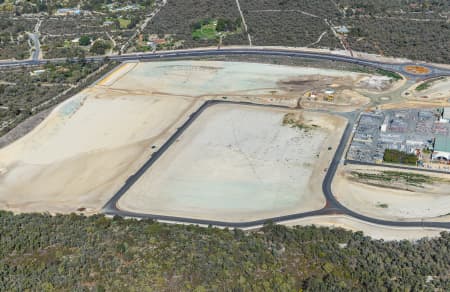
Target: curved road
<point>398,67</point>
<point>333,206</point>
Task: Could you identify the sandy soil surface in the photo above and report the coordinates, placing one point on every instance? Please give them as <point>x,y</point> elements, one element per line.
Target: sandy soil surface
<point>80,155</point>
<point>84,150</point>
<point>411,104</point>
<point>394,201</point>
<point>24,128</point>
<point>373,230</point>
<point>262,83</point>
<point>238,163</point>
<point>438,90</point>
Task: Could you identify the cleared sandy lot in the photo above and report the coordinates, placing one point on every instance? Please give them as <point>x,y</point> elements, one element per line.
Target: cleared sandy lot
<point>84,150</point>
<point>410,204</point>
<point>238,163</point>
<point>261,83</point>
<point>438,89</point>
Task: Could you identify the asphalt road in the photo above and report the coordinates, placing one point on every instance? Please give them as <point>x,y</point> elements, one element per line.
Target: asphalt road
<point>434,71</point>
<point>333,206</point>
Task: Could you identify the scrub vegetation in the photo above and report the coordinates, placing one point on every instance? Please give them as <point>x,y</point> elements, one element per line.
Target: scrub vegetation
<point>94,253</point>
<point>427,84</point>
<point>295,120</point>
<point>411,179</point>
<point>27,91</point>
<point>417,30</point>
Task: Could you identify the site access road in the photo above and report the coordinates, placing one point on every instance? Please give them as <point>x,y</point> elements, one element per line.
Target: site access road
<point>332,207</point>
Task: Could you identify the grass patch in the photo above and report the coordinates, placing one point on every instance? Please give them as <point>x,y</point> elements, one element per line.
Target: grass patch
<point>124,23</point>
<point>390,74</point>
<point>427,84</point>
<point>395,156</point>
<point>423,86</point>
<point>206,31</point>
<point>211,29</point>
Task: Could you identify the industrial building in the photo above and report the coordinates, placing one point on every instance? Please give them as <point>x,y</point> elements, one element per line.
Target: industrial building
<point>413,131</point>
<point>441,148</point>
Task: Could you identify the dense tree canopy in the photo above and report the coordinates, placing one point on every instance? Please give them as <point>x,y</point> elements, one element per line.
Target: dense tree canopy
<point>45,253</point>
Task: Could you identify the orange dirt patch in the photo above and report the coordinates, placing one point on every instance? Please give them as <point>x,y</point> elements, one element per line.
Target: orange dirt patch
<point>417,70</point>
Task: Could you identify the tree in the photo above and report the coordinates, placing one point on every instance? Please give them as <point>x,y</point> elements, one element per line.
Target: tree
<point>100,47</point>
<point>225,25</point>
<point>85,41</point>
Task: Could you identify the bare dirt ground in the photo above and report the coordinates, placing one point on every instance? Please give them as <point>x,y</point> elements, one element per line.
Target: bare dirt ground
<point>240,163</point>
<point>86,148</point>
<point>261,83</point>
<point>394,199</point>
<point>411,104</point>
<point>438,91</point>
<point>373,230</point>
<point>24,127</point>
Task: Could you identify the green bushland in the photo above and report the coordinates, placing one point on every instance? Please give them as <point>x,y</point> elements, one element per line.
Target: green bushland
<point>100,47</point>
<point>22,92</point>
<point>84,40</point>
<point>396,156</point>
<point>40,252</point>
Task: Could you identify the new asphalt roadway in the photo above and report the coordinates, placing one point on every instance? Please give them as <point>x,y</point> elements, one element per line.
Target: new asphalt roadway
<point>332,207</point>
<point>434,71</point>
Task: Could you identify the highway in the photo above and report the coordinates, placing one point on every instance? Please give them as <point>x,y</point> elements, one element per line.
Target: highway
<point>400,68</point>
<point>333,206</point>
